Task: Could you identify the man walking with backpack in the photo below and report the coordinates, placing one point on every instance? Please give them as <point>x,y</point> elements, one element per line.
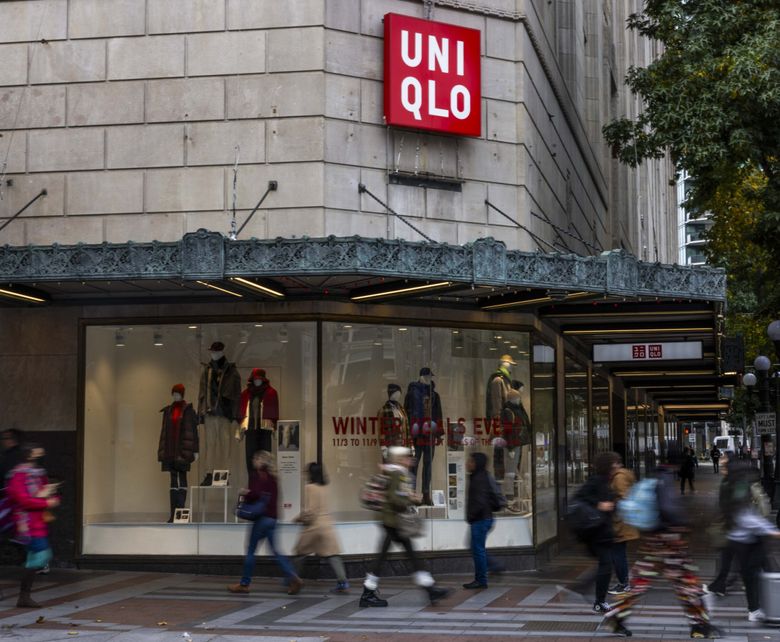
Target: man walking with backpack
<point>663,551</point>
<point>482,499</point>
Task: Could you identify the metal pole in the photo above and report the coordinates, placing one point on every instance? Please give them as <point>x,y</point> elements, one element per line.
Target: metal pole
<point>43,192</point>
<point>776,391</point>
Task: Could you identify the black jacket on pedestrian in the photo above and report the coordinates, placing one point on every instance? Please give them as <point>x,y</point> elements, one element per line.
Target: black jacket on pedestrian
<point>478,493</point>
<point>688,466</point>
<point>595,491</point>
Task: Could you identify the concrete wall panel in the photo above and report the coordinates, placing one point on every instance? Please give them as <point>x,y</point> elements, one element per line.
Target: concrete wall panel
<point>160,227</point>
<point>214,54</point>
<point>300,185</point>
<point>342,98</point>
<point>25,21</point>
<point>105,18</point>
<point>13,71</point>
<point>182,190</point>
<point>353,55</point>
<point>105,193</point>
<point>26,107</point>
<point>24,188</point>
<point>215,143</point>
<point>295,139</point>
<point>275,96</point>
<point>185,99</point>
<point>296,49</point>
<point>66,149</point>
<point>149,57</point>
<point>76,61</point>
<point>268,14</point>
<point>145,146</point>
<point>179,16</point>
<point>106,103</point>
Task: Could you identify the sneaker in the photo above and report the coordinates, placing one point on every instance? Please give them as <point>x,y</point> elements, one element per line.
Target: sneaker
<point>704,631</point>
<point>44,571</point>
<point>370,598</point>
<point>601,607</point>
<point>617,627</point>
<point>619,589</point>
<point>711,590</point>
<point>295,586</point>
<point>238,588</point>
<point>475,585</point>
<point>756,616</point>
<point>341,587</point>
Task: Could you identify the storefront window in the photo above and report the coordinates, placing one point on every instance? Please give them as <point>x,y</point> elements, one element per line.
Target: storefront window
<point>600,404</point>
<point>577,453</point>
<point>441,391</point>
<point>130,374</point>
<point>544,431</point>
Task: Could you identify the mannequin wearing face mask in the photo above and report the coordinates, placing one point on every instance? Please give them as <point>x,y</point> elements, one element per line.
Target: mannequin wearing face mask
<point>259,414</point>
<point>423,407</point>
<point>219,402</point>
<point>393,421</point>
<point>178,445</point>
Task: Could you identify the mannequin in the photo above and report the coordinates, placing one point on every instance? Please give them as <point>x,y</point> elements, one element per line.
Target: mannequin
<point>259,414</point>
<point>423,408</point>
<point>219,403</point>
<point>498,387</point>
<point>516,430</point>
<point>178,445</point>
<point>393,422</point>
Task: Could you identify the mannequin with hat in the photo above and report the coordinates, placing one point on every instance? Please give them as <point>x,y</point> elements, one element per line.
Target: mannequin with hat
<point>259,414</point>
<point>423,408</point>
<point>178,446</point>
<point>219,402</point>
<point>393,422</point>
<point>498,388</point>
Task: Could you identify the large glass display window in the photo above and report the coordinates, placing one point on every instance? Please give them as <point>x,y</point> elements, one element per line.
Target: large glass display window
<point>544,440</point>
<point>600,397</point>
<point>446,393</point>
<point>164,407</point>
<point>576,405</point>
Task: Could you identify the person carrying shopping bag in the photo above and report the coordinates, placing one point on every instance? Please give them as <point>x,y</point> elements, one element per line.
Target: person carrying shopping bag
<point>263,496</point>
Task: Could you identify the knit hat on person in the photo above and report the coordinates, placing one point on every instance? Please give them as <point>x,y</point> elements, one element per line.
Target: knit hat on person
<point>179,387</point>
<point>396,453</point>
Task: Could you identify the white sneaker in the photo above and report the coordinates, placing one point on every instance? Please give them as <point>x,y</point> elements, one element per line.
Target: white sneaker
<point>756,616</point>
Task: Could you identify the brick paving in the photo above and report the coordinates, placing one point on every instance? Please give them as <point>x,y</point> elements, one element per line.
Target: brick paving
<point>130,607</point>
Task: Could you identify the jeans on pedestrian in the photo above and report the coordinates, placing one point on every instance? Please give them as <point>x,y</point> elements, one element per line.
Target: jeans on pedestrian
<point>751,561</point>
<point>620,562</point>
<point>264,528</point>
<point>479,533</point>
<point>715,466</point>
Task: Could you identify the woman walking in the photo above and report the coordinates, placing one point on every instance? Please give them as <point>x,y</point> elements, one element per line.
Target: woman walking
<point>318,536</point>
<point>621,483</point>
<point>31,496</point>
<point>264,489</point>
<point>398,500</point>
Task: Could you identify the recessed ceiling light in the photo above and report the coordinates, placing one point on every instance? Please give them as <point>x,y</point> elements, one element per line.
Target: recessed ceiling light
<point>192,327</point>
<point>258,325</point>
<point>402,329</point>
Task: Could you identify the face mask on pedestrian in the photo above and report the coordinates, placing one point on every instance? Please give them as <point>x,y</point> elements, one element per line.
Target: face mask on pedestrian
<point>216,356</point>
<point>258,382</point>
<point>177,396</point>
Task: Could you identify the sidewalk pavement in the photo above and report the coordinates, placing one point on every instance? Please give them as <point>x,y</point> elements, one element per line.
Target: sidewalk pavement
<point>134,607</point>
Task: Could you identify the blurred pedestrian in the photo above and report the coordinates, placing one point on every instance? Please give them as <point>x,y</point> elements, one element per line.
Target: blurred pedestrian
<point>664,552</point>
<point>687,470</point>
<point>32,497</point>
<point>264,489</point>
<point>747,528</point>
<point>482,499</point>
<point>398,499</point>
<point>599,540</point>
<point>621,483</point>
<point>715,456</point>
<point>318,536</point>
<point>718,532</point>
<point>10,456</point>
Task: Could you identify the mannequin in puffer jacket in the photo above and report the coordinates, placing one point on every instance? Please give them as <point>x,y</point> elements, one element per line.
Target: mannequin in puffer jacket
<point>423,408</point>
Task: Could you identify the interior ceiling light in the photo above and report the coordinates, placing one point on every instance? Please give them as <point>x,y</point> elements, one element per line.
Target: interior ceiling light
<point>192,327</point>
<point>119,339</point>
<point>157,339</point>
<point>223,290</point>
<point>542,299</point>
<point>636,330</point>
<point>693,406</point>
<point>397,291</point>
<point>21,296</point>
<point>666,373</point>
<point>258,286</point>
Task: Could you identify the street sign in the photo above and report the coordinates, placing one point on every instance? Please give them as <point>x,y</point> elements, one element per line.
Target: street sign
<point>765,423</point>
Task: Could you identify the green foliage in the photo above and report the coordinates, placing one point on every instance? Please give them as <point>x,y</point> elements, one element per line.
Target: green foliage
<point>712,99</point>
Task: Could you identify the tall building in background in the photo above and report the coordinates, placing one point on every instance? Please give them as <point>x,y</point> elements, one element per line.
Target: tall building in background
<point>691,228</point>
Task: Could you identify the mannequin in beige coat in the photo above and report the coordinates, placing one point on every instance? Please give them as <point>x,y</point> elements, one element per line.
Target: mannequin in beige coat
<point>318,536</point>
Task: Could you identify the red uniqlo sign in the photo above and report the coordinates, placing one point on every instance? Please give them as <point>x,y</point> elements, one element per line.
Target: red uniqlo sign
<point>432,76</point>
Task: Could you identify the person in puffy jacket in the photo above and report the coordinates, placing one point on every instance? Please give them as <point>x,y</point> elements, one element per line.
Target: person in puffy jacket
<point>621,483</point>
<point>31,497</point>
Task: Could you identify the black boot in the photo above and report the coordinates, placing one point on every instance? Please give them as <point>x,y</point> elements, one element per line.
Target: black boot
<point>207,480</point>
<point>25,601</point>
<point>173,493</point>
<point>370,598</point>
<point>426,498</point>
<point>181,498</point>
<point>436,593</point>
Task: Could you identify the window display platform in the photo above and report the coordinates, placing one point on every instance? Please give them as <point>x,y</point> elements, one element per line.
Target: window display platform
<point>357,538</point>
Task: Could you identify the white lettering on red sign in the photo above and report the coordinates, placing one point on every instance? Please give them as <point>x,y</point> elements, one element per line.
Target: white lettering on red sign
<point>432,75</point>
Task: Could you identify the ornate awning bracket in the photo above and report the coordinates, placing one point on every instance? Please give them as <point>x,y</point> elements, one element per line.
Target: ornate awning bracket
<point>205,255</point>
